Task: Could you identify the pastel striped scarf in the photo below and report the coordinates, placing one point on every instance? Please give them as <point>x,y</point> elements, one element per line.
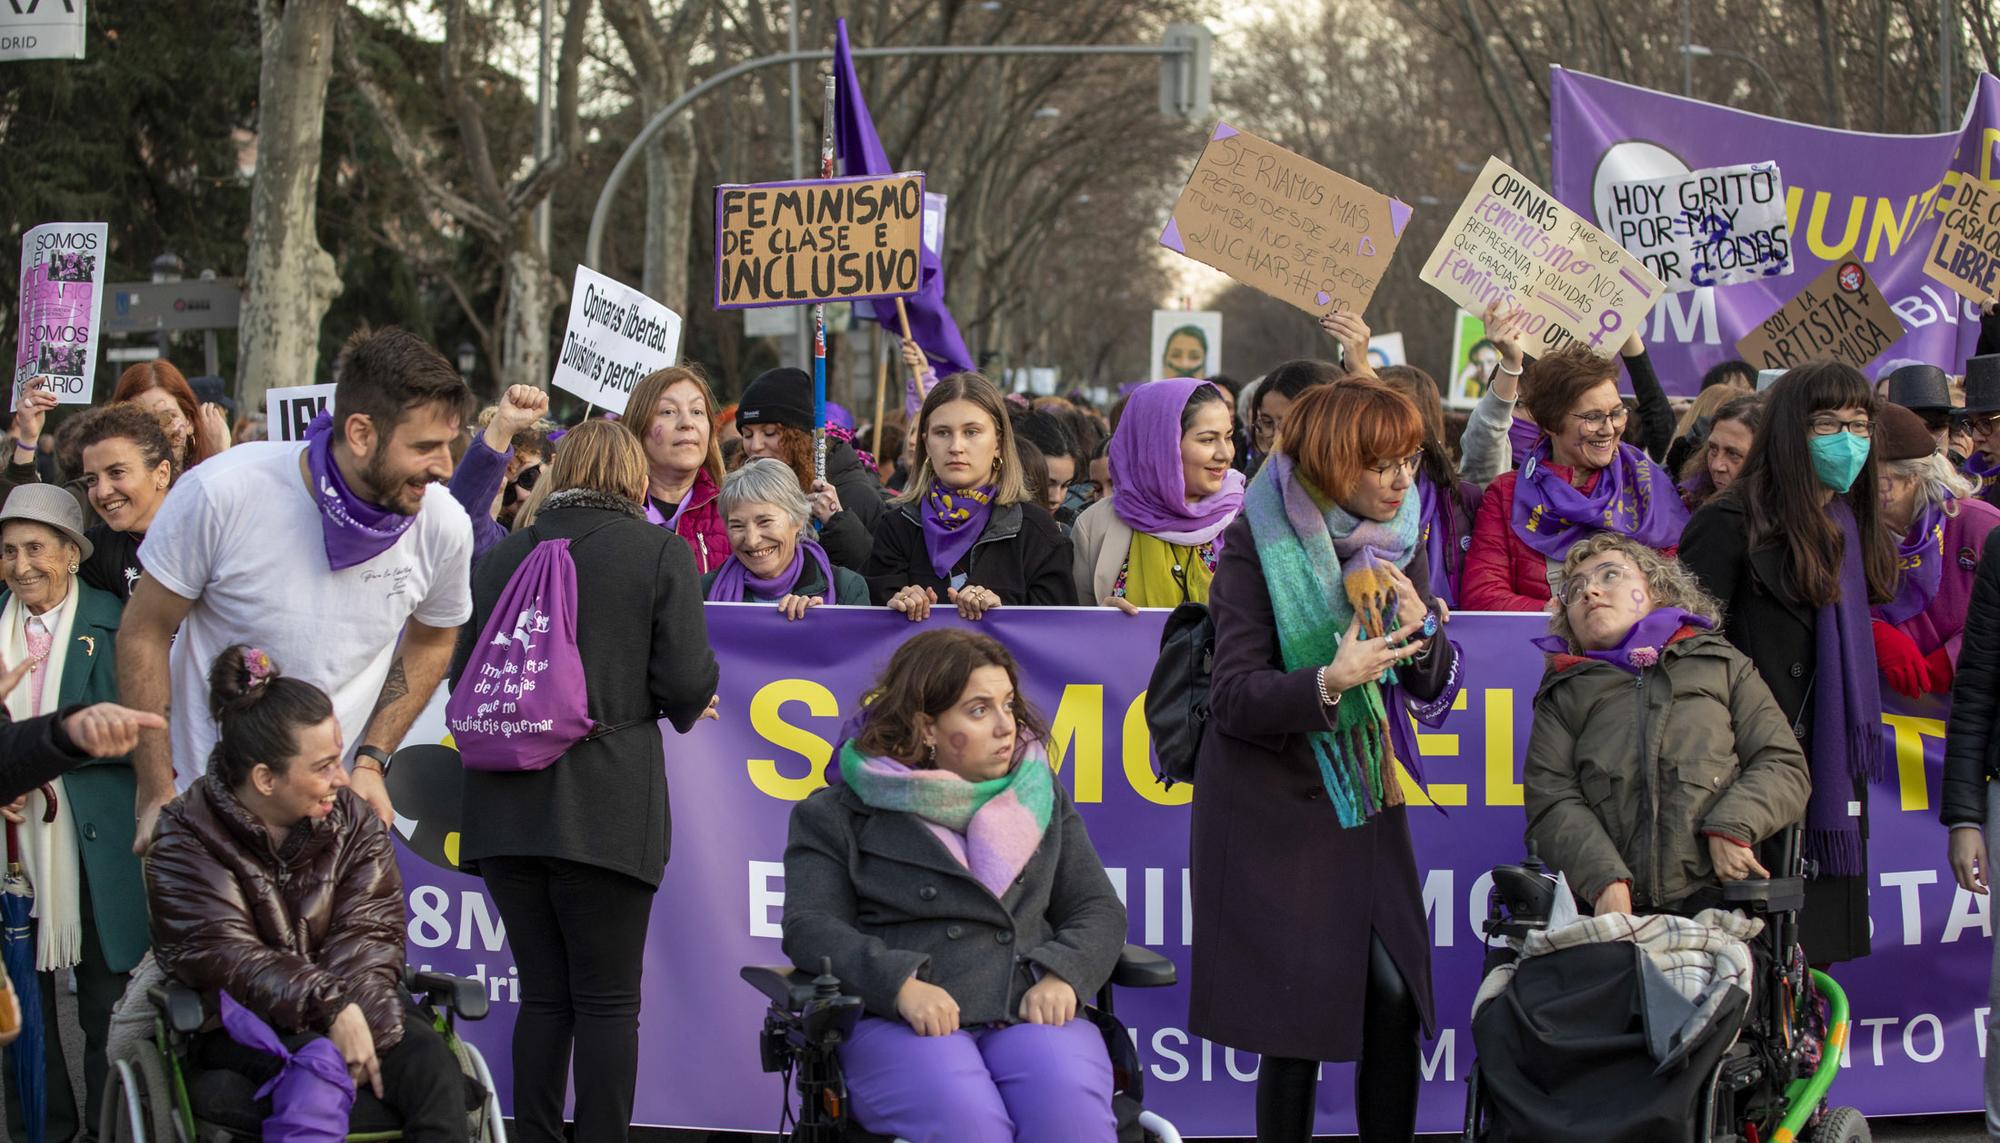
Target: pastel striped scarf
<point>993,827</point>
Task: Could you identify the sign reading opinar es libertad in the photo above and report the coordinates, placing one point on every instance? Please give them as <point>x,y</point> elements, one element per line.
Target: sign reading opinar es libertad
<point>1283,224</point>
<point>820,240</point>
<point>1513,243</point>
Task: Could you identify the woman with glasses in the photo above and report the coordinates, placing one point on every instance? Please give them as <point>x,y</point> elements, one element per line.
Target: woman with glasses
<point>1310,939</point>
<point>1981,417</point>
<point>1153,542</point>
<point>1281,389</point>
<point>1579,479</point>
<point>1796,551</point>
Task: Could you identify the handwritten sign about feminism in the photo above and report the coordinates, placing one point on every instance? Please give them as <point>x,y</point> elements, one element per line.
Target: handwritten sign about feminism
<point>1841,315</point>
<point>1283,224</point>
<point>1965,255</point>
<point>615,337</point>
<point>1714,227</point>
<point>1511,242</point>
<point>823,240</point>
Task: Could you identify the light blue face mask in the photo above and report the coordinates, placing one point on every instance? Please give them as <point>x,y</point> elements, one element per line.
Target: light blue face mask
<point>1837,459</point>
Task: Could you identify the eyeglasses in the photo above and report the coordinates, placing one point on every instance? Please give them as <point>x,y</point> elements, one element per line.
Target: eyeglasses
<point>1598,422</point>
<point>1982,424</point>
<point>1826,425</point>
<point>1266,425</point>
<point>1390,469</point>
<point>1607,577</point>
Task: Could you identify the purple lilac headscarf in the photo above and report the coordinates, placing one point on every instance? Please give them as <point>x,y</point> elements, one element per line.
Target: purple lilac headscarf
<point>1150,486</point>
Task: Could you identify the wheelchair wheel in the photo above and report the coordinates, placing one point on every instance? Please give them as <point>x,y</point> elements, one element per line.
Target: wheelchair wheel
<point>1841,1125</point>
<point>487,1125</point>
<point>139,1105</point>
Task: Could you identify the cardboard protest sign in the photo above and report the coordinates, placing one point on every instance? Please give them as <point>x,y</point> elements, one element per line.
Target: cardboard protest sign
<point>1283,224</point>
<point>1965,255</point>
<point>1714,227</point>
<point>1841,315</point>
<point>615,337</point>
<point>1186,343</point>
<point>62,287</point>
<point>288,411</point>
<point>1514,243</point>
<point>821,240</point>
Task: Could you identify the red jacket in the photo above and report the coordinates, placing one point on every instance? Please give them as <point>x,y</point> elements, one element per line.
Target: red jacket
<point>701,525</point>
<point>1502,573</point>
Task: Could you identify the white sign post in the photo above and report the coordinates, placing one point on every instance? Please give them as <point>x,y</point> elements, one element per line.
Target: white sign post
<point>616,336</point>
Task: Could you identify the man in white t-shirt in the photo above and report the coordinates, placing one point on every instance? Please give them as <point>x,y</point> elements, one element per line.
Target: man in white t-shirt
<point>344,558</point>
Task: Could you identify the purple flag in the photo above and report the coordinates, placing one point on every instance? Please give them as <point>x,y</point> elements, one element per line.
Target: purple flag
<point>1850,194</point>
<point>860,152</point>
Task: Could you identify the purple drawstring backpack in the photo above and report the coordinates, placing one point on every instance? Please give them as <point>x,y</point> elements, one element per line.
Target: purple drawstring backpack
<point>522,702</point>
<point>312,1096</point>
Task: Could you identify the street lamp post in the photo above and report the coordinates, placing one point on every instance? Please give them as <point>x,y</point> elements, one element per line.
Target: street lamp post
<point>468,360</point>
<point>166,268</point>
<point>1698,51</point>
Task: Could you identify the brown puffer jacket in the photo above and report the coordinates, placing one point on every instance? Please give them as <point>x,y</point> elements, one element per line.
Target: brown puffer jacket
<point>292,931</point>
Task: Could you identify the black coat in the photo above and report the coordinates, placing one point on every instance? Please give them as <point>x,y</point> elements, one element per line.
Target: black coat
<point>35,750</point>
<point>1022,557</point>
<point>1971,747</point>
<point>644,644</point>
<point>1285,899</point>
<point>849,535</point>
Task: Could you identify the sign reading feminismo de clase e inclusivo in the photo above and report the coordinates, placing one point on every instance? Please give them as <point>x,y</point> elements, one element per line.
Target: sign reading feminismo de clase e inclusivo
<point>1919,1000</point>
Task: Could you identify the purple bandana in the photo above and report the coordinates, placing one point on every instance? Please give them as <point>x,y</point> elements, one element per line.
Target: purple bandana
<point>1920,560</point>
<point>1522,437</point>
<point>1986,473</point>
<point>1432,511</point>
<point>734,583</point>
<point>1147,473</point>
<point>355,530</point>
<point>953,522</point>
<point>655,516</point>
<point>1641,646</point>
<point>1633,498</point>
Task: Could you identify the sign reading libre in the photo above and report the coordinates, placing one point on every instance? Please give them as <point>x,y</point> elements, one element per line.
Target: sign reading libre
<point>1966,252</point>
<point>784,244</point>
<point>1513,243</point>
<point>1841,315</point>
<point>1283,224</point>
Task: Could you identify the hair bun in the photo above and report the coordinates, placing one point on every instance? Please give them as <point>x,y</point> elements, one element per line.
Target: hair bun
<point>239,676</point>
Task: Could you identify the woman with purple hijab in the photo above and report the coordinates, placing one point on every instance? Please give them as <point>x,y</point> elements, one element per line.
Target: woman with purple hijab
<point>1153,541</point>
<point>1796,552</point>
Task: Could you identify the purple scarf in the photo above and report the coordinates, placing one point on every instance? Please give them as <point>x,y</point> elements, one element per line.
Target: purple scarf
<point>655,516</point>
<point>1434,537</point>
<point>1920,559</point>
<point>1146,470</point>
<point>1846,744</point>
<point>1633,498</point>
<point>1641,646</point>
<point>1985,473</point>
<point>952,523</point>
<point>355,530</point>
<point>1522,437</point>
<point>733,580</point>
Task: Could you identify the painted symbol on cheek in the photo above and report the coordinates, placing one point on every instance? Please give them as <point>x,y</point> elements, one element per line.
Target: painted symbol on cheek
<point>1638,597</point>
<point>958,740</point>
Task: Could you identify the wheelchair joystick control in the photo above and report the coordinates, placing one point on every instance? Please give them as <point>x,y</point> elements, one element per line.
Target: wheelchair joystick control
<point>826,986</point>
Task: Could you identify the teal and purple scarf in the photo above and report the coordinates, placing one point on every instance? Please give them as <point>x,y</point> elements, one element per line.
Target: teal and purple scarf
<point>993,827</point>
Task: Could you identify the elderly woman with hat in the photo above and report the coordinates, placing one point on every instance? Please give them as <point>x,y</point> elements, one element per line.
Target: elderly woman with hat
<point>1982,418</point>
<point>75,839</point>
<point>773,557</point>
<point>1927,503</point>
<point>775,418</point>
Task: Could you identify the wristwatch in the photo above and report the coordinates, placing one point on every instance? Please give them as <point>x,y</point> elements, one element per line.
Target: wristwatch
<point>380,756</point>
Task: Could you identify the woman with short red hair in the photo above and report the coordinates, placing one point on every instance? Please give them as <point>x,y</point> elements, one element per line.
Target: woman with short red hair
<point>197,431</point>
<point>1310,939</point>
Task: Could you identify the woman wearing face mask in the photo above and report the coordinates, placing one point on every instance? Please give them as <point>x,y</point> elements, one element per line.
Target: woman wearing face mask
<point>1926,502</point>
<point>670,414</point>
<point>774,558</point>
<point>967,532</point>
<point>775,418</point>
<point>1581,478</point>
<point>127,469</point>
<point>1310,939</point>
<point>1795,551</point>
<point>1153,543</point>
<point>1707,728</point>
<point>1712,468</point>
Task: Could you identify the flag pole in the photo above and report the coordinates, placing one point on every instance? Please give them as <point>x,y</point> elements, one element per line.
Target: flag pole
<point>925,375</point>
<point>881,390</point>
<point>819,308</point>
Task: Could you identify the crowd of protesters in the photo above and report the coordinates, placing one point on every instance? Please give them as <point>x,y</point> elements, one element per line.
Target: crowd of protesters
<point>232,638</point>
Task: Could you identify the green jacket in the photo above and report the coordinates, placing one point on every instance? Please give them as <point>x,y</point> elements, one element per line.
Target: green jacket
<point>1627,775</point>
<point>101,794</point>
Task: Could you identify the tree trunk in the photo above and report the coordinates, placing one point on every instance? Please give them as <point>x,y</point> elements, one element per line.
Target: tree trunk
<point>291,280</point>
<point>669,212</point>
<point>531,298</point>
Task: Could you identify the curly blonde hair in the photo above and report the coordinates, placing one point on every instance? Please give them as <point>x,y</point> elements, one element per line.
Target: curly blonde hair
<point>1670,583</point>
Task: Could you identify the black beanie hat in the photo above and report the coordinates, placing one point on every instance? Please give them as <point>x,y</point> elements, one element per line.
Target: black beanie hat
<point>778,397</point>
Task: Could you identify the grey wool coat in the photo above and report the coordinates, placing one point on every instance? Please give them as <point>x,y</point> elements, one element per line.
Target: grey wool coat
<point>877,892</point>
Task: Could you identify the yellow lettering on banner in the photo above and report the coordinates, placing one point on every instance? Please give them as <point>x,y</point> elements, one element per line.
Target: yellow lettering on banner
<point>766,718</point>
<point>1887,223</point>
<point>1822,205</point>
<point>1432,745</point>
<point>1910,733</point>
<point>1501,788</point>
<point>1079,721</point>
<point>1989,146</point>
<point>1139,760</point>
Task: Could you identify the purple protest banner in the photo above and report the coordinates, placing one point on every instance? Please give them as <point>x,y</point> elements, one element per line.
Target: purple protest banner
<point>787,689</point>
<point>1849,195</point>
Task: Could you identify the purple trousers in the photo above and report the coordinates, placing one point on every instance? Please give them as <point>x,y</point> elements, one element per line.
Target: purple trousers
<point>1025,1082</point>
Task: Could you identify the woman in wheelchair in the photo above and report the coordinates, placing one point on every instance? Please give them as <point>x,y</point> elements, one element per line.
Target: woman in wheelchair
<point>949,880</point>
<point>272,881</point>
<point>1658,759</point>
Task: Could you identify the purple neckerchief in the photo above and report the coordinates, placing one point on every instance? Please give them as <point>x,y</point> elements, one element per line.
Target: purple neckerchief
<point>1641,646</point>
<point>653,515</point>
<point>734,583</point>
<point>355,530</point>
<point>1845,749</point>
<point>1633,498</point>
<point>1920,560</point>
<point>1433,539</point>
<point>1522,437</point>
<point>312,1095</point>
<point>1150,477</point>
<point>952,523</point>
<point>1985,473</point>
